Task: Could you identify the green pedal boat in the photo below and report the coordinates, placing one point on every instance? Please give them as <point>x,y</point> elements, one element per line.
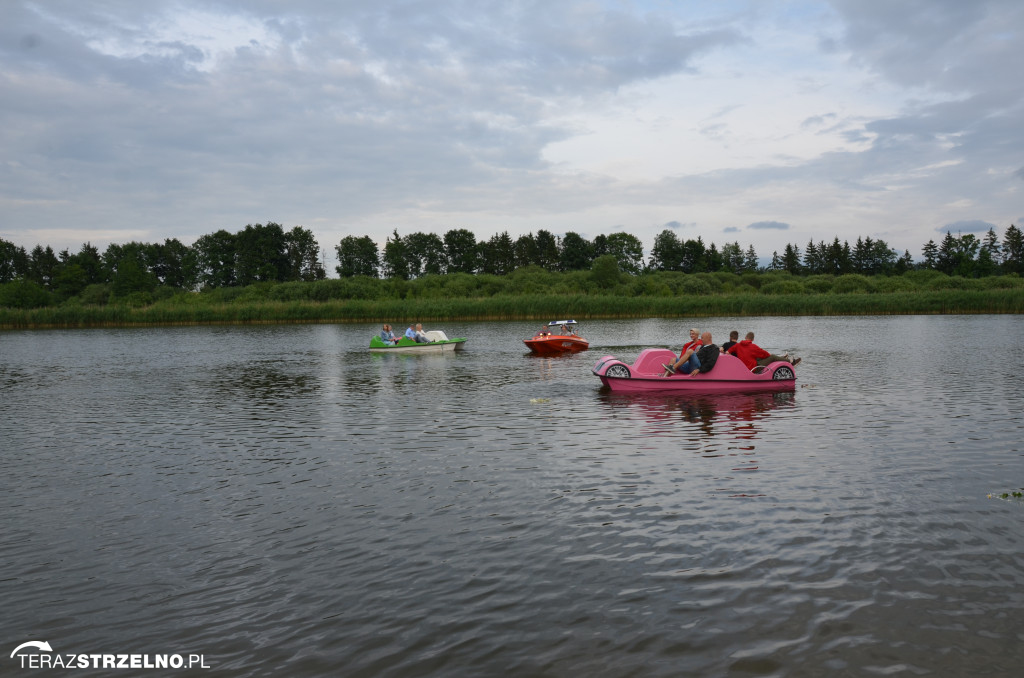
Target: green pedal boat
<point>439,343</point>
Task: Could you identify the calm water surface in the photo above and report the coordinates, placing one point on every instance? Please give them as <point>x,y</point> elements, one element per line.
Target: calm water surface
<point>282,502</point>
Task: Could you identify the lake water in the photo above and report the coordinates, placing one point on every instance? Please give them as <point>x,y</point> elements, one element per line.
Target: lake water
<point>282,502</point>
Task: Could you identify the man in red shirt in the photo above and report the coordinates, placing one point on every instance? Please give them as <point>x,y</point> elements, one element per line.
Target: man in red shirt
<point>686,356</point>
<point>753,355</point>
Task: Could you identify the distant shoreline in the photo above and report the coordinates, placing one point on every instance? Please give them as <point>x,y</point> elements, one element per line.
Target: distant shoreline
<point>188,311</point>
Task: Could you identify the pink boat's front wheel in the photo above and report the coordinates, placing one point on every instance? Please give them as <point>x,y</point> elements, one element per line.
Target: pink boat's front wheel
<point>618,371</point>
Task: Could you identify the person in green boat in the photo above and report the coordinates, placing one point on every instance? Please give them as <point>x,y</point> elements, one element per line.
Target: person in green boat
<point>387,336</point>
<point>415,333</point>
<point>421,336</point>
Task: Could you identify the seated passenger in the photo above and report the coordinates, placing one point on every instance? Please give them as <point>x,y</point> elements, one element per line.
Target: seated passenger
<point>421,336</point>
<point>734,338</point>
<point>753,355</point>
<point>707,355</point>
<point>387,336</point>
<point>687,357</point>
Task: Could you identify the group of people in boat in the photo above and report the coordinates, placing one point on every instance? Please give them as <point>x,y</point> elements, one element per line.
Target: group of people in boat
<point>415,333</point>
<point>700,354</point>
<point>563,331</point>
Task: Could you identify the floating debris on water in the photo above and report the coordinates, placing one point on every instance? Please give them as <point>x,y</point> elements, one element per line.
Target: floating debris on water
<point>537,401</point>
<point>1011,495</point>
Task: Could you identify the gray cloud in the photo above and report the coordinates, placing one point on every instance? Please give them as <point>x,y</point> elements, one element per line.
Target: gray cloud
<point>353,115</point>
<point>768,225</point>
<point>969,226</point>
<point>818,120</point>
<point>730,229</point>
<point>347,109</point>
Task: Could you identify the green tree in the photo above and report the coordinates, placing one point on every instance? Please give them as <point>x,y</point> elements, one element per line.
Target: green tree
<point>13,261</point>
<point>22,293</point>
<point>131,277</point>
<point>1013,250</point>
<point>750,264</point>
<point>991,245</point>
<point>526,251</point>
<point>576,253</point>
<point>692,256</point>
<point>628,252</point>
<point>715,261</point>
<point>791,259</point>
<point>302,252</point>
<point>946,259</point>
<point>426,255</point>
<point>605,271</point>
<point>461,251</point>
<point>930,252</point>
<point>813,262</point>
<point>215,259</point>
<point>357,256</point>
<point>732,258</point>
<point>115,256</point>
<point>178,265</point>
<point>69,280</point>
<point>666,253</point>
<point>91,263</point>
<point>904,263</point>
<point>967,246</point>
<point>549,250</point>
<point>396,258</point>
<point>984,265</point>
<point>497,255</point>
<point>260,254</point>
<point>42,265</point>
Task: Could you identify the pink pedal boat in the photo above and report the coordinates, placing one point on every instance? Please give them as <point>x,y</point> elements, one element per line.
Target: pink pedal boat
<point>728,374</point>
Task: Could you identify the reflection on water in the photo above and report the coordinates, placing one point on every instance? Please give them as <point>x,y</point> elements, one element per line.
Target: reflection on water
<point>712,413</point>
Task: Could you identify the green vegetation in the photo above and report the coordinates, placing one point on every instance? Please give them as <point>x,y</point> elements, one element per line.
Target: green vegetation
<point>265,274</point>
<point>531,293</point>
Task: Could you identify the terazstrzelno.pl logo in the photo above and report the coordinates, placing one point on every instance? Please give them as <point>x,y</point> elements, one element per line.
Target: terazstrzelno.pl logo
<point>36,654</point>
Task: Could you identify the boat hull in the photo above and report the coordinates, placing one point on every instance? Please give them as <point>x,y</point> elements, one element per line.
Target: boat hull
<point>433,347</point>
<point>728,375</point>
<point>440,343</point>
<point>556,344</point>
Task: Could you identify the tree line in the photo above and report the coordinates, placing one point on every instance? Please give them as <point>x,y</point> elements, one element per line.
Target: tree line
<point>268,253</point>
<point>458,251</point>
<point>257,253</point>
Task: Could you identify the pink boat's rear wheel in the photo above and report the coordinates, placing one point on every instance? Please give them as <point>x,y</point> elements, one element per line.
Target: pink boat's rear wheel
<point>617,371</point>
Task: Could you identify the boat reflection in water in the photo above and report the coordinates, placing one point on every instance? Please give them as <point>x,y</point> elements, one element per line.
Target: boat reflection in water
<point>734,414</point>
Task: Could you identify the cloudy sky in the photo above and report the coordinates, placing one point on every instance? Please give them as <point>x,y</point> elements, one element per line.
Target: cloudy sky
<point>760,122</point>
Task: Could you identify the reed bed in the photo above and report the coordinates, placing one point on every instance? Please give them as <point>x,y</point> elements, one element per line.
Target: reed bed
<point>195,310</point>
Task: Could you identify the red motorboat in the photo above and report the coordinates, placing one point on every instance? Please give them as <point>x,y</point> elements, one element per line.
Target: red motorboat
<point>558,336</point>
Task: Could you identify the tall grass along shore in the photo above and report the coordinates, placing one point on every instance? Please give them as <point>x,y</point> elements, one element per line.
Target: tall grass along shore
<point>427,300</point>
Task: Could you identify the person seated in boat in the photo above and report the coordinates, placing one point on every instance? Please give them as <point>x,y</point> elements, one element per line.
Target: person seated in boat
<point>566,331</point>
<point>421,336</point>
<point>734,338</point>
<point>415,333</point>
<point>687,357</point>
<point>387,336</point>
<point>753,355</point>
<point>707,355</point>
